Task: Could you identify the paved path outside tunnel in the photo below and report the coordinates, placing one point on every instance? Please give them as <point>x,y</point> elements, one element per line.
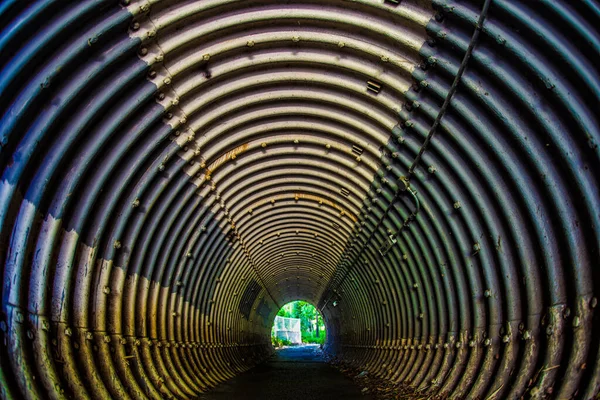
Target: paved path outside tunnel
<point>293,373</point>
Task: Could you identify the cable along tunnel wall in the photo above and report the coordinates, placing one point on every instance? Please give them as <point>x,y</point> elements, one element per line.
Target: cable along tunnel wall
<point>175,171</point>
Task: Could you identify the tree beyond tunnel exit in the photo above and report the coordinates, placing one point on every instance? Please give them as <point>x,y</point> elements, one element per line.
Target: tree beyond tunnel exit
<point>312,327</point>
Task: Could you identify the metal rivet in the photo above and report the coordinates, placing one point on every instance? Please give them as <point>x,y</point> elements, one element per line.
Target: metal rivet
<point>117,244</point>
<point>143,51</point>
<point>487,293</point>
<point>457,205</point>
<point>135,203</point>
<point>431,169</point>
<point>206,57</point>
<point>106,290</point>
<point>250,43</point>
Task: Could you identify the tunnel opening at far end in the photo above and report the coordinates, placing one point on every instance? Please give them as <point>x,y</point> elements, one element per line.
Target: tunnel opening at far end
<point>298,323</point>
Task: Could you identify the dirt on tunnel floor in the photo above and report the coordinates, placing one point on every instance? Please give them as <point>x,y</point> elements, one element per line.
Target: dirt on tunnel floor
<point>293,373</point>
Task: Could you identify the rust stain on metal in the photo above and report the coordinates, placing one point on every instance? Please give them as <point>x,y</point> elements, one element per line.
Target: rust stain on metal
<point>230,155</point>
<point>328,202</point>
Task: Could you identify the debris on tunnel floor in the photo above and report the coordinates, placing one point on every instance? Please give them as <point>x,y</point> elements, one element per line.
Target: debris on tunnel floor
<point>380,387</point>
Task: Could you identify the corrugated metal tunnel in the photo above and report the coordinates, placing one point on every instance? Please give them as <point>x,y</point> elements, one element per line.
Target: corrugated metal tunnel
<point>425,173</point>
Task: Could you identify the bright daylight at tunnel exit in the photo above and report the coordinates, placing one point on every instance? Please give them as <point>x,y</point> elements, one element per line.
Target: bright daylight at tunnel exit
<point>307,199</point>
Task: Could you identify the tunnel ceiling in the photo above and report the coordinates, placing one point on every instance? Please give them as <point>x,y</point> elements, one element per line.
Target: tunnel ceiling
<point>425,173</point>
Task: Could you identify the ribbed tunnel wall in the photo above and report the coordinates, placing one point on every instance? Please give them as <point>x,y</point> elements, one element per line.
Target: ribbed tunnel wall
<point>175,171</point>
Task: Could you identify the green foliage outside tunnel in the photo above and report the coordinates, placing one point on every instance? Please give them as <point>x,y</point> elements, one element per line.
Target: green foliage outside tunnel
<point>312,327</point>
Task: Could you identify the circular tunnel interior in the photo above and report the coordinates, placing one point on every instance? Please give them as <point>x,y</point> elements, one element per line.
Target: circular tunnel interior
<point>426,173</point>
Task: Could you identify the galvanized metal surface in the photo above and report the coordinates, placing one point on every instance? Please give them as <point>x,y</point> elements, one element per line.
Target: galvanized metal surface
<point>175,171</point>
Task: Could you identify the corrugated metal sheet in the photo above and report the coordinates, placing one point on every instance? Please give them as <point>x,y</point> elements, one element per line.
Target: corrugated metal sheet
<point>175,171</point>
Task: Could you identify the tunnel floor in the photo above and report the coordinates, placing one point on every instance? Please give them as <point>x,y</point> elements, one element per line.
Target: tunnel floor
<point>298,372</point>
